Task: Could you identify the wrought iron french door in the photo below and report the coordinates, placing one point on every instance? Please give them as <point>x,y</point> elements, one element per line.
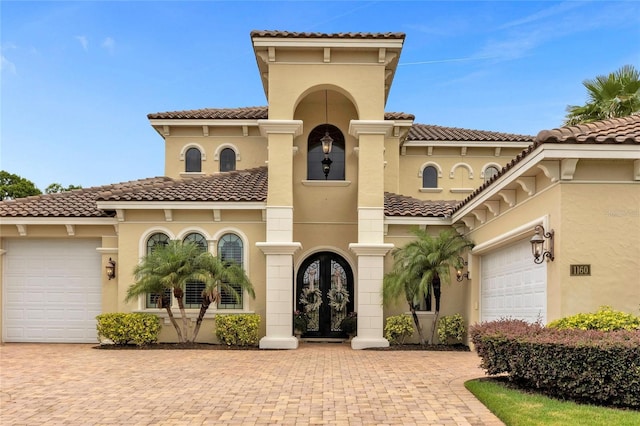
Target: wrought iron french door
<point>324,291</point>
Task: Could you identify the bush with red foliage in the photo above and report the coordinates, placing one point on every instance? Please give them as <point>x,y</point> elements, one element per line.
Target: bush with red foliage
<point>583,365</point>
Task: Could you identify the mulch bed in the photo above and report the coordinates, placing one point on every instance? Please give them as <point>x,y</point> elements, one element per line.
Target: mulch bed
<point>218,347</point>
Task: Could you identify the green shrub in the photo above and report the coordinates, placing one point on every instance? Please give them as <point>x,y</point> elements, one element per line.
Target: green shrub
<point>237,329</point>
<point>606,319</point>
<point>398,328</point>
<point>451,327</point>
<point>121,328</point>
<point>600,367</point>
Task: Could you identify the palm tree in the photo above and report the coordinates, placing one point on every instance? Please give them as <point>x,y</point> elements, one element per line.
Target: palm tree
<point>219,276</point>
<point>610,96</point>
<point>168,267</point>
<point>172,266</point>
<point>419,267</point>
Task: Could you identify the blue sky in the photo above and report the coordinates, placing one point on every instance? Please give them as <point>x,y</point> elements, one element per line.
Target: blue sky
<point>79,78</point>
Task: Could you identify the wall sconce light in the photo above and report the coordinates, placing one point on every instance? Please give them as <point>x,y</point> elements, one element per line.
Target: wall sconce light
<point>327,141</point>
<point>538,244</point>
<point>461,264</point>
<point>111,269</point>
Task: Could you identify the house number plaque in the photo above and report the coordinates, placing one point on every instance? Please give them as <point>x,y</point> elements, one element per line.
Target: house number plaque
<point>580,270</point>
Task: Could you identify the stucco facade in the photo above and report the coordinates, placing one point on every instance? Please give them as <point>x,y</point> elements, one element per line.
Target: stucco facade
<point>292,225</point>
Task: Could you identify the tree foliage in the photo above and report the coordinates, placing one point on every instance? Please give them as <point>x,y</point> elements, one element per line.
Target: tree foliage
<point>13,186</point>
<point>55,188</point>
<point>609,96</point>
<point>420,267</point>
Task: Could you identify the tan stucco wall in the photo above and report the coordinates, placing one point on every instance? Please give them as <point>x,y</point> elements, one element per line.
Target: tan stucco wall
<point>446,158</point>
<point>251,149</point>
<point>600,227</point>
<point>290,83</point>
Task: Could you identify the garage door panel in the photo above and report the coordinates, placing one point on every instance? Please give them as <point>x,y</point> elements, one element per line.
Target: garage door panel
<point>52,289</point>
<point>512,285</point>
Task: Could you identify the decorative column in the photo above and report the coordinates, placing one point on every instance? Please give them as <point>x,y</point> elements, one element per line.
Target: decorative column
<point>279,246</point>
<point>370,248</point>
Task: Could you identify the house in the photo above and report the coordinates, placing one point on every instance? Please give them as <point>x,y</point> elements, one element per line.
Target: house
<point>303,217</point>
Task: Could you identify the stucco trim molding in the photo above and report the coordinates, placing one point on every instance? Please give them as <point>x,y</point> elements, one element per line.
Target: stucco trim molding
<point>370,127</point>
<point>282,127</point>
<point>511,236</point>
<point>279,248</point>
<point>107,250</point>
<point>364,249</point>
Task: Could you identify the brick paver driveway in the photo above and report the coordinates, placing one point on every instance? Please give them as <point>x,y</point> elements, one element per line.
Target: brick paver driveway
<point>331,384</point>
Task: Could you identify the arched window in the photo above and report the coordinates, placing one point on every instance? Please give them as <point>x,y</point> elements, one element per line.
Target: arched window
<point>315,155</point>
<point>230,249</point>
<point>430,177</point>
<point>490,172</point>
<point>193,160</point>
<point>227,160</point>
<point>193,289</point>
<point>157,240</point>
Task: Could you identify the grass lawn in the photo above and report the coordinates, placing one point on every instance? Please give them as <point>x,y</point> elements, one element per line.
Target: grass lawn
<point>517,408</point>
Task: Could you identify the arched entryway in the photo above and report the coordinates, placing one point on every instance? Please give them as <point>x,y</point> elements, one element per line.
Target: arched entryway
<point>324,290</point>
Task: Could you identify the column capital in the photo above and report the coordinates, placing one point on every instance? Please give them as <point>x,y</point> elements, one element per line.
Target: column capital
<point>370,127</point>
<point>279,247</point>
<point>364,249</point>
<point>282,127</point>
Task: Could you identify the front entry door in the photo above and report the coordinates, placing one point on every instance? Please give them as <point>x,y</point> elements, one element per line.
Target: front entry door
<point>324,290</point>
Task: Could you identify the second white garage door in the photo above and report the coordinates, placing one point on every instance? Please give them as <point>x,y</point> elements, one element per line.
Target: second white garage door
<point>512,285</point>
<point>52,290</point>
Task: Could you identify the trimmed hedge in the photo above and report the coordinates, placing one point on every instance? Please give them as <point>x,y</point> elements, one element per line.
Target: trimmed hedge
<point>583,365</point>
<point>237,329</point>
<point>139,328</point>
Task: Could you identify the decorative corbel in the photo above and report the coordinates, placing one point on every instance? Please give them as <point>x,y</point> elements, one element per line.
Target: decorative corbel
<point>493,206</point>
<point>509,196</point>
<point>568,168</point>
<point>528,184</point>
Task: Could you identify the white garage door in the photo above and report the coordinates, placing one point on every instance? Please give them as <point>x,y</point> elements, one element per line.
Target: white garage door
<point>52,290</point>
<point>512,285</point>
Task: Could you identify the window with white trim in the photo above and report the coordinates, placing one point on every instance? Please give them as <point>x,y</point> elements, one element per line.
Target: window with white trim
<point>193,289</point>
<point>430,177</point>
<point>227,160</point>
<point>230,249</point>
<point>193,160</point>
<point>154,241</point>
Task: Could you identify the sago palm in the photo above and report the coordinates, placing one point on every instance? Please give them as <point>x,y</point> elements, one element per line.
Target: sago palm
<point>419,268</point>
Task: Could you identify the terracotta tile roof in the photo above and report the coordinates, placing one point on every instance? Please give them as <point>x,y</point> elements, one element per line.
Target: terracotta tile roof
<point>247,113</point>
<point>252,113</point>
<point>288,34</point>
<point>76,203</point>
<point>243,185</point>
<point>426,132</point>
<point>615,131</point>
<point>625,130</point>
<point>402,205</point>
<point>240,185</point>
